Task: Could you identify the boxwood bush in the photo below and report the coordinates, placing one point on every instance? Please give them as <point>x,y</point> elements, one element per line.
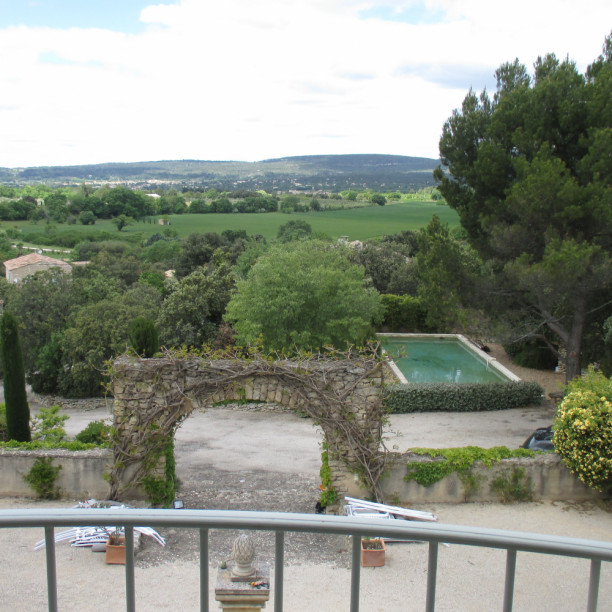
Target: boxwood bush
<point>455,397</point>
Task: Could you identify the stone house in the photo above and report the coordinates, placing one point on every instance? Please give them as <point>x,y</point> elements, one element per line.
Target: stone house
<point>20,267</point>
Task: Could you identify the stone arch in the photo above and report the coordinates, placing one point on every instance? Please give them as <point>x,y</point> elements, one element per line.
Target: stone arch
<point>343,396</point>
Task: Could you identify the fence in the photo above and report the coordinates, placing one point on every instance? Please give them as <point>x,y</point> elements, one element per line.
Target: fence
<point>281,523</point>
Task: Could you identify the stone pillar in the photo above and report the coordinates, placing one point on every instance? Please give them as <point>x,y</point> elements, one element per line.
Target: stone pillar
<point>243,587</point>
<point>242,596</point>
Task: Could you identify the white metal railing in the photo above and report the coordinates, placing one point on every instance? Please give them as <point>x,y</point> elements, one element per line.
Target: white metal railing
<point>280,523</point>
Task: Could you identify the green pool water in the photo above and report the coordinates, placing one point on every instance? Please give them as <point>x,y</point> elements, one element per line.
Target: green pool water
<point>436,359</point>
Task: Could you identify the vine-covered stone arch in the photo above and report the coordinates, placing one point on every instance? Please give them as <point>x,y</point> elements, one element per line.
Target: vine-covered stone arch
<point>342,392</point>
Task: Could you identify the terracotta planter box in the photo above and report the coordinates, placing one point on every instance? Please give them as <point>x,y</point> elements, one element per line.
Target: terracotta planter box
<point>115,553</point>
<point>373,557</point>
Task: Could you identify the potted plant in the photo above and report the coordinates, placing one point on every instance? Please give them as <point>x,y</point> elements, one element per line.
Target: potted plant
<point>115,547</point>
<point>373,552</point>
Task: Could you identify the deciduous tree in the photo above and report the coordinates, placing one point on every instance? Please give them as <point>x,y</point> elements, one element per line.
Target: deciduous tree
<point>305,293</point>
<point>192,312</point>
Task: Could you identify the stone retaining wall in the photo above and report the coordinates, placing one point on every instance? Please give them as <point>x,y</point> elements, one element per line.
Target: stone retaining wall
<point>550,481</point>
<point>81,476</point>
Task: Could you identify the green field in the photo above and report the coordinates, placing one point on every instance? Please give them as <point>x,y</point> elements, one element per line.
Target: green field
<point>357,224</point>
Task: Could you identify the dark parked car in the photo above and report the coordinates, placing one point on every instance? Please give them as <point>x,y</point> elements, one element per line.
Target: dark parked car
<point>540,439</point>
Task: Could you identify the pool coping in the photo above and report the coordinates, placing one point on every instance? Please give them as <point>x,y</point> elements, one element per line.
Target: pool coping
<point>469,344</point>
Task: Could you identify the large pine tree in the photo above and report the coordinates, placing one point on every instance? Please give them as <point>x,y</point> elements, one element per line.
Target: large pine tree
<point>530,175</point>
<point>15,397</point>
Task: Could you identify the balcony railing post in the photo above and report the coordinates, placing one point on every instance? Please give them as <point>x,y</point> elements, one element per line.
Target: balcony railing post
<point>594,585</point>
<point>509,584</point>
<point>203,570</point>
<point>130,592</point>
<point>279,566</point>
<point>51,569</point>
<point>432,576</point>
<point>355,572</point>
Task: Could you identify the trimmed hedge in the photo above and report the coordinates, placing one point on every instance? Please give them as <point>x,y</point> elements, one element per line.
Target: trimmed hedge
<point>454,397</point>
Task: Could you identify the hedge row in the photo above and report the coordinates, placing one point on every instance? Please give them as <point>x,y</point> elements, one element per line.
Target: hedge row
<point>454,397</point>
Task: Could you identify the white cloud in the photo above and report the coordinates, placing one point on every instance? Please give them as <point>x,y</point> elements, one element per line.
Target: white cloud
<point>244,80</point>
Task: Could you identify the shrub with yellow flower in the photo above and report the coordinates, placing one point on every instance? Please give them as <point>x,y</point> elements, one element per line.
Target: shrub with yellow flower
<point>583,429</point>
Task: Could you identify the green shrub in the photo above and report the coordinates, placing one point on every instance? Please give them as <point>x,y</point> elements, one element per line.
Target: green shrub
<point>532,353</point>
<point>48,425</point>
<point>583,430</point>
<point>80,380</point>
<point>42,478</point>
<point>403,313</point>
<point>143,337</point>
<point>96,432</point>
<point>455,397</point>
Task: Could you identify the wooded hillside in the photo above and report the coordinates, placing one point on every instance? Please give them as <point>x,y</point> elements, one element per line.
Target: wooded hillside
<point>326,172</point>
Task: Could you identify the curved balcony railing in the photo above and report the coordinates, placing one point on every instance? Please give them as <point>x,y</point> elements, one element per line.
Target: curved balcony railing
<point>281,523</point>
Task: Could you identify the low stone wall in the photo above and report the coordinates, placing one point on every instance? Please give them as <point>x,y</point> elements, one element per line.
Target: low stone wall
<point>81,476</point>
<point>550,480</point>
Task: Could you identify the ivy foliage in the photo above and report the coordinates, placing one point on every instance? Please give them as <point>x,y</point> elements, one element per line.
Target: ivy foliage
<point>513,486</point>
<point>456,460</point>
<point>329,496</point>
<point>161,491</point>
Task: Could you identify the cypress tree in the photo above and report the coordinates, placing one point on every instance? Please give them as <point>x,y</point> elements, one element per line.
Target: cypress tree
<point>143,337</point>
<point>15,397</point>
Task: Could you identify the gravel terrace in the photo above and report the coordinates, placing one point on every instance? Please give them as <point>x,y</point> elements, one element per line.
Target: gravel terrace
<point>219,470</point>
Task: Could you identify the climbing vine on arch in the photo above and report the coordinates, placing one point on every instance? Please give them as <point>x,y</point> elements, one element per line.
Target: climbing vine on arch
<point>340,390</point>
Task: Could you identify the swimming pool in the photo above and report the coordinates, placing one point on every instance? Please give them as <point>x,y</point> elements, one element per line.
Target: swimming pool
<point>452,358</point>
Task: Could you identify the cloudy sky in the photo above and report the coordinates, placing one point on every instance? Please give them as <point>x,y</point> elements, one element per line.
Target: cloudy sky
<point>91,81</point>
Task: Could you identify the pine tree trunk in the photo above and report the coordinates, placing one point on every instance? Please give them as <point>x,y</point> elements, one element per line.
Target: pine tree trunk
<point>574,342</point>
<point>15,397</point>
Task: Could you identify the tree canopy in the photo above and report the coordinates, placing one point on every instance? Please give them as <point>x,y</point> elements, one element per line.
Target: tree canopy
<point>305,293</point>
<point>191,313</point>
<point>529,171</point>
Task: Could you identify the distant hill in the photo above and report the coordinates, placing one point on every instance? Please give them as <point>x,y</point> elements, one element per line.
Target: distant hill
<point>306,173</point>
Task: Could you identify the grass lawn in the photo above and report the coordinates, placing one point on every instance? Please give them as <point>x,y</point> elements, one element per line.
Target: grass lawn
<point>356,223</point>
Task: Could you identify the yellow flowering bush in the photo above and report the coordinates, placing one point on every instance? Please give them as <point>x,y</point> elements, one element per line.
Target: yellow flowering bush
<point>583,430</point>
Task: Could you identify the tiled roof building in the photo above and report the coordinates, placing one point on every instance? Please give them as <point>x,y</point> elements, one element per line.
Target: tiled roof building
<point>20,267</point>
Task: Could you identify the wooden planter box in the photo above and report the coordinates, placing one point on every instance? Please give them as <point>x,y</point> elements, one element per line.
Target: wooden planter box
<point>373,557</point>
